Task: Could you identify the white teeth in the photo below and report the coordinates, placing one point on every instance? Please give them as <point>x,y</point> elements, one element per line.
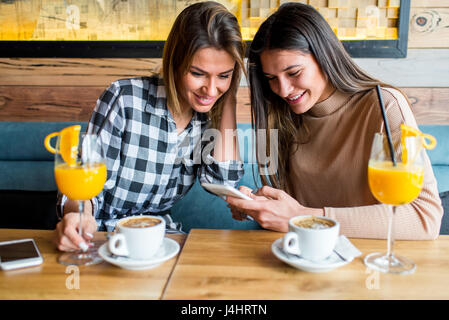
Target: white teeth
<point>295,97</point>
<point>204,99</point>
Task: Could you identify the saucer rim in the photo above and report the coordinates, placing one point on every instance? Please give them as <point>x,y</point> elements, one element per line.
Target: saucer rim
<point>104,252</point>
<point>308,265</point>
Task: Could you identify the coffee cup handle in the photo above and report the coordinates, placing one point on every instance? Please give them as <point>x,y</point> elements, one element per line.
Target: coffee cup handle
<point>117,245</point>
<point>290,243</point>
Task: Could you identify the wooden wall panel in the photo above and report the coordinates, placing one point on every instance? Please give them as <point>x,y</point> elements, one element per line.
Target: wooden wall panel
<point>429,105</point>
<point>58,104</point>
<point>37,103</point>
<point>60,89</point>
<point>428,28</point>
<point>429,3</point>
<point>421,68</point>
<point>71,71</point>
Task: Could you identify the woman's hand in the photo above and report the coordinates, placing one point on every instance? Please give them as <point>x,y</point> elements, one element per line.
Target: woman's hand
<point>238,214</point>
<point>270,207</point>
<point>67,237</point>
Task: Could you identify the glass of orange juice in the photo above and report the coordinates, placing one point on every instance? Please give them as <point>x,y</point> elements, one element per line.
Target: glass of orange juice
<point>80,174</point>
<point>395,184</point>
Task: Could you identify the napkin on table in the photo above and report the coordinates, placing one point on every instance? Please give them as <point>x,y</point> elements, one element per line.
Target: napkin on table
<point>345,249</point>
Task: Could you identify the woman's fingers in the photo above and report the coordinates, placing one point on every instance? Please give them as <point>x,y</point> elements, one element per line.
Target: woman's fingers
<point>66,245</point>
<point>237,216</point>
<point>245,205</point>
<point>271,193</point>
<point>249,193</point>
<point>72,234</point>
<point>241,215</point>
<point>246,190</point>
<point>62,242</point>
<point>68,237</point>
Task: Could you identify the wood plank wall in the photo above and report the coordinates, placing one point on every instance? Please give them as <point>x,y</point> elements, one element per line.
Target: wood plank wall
<point>59,89</point>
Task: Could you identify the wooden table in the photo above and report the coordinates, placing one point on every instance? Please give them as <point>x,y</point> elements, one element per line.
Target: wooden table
<point>238,264</point>
<point>52,280</point>
<point>225,264</point>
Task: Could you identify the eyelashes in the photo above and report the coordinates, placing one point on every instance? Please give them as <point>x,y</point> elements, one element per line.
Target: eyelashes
<point>291,74</point>
<point>199,74</point>
<point>294,73</point>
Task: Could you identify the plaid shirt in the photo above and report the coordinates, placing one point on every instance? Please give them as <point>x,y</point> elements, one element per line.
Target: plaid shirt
<point>150,166</point>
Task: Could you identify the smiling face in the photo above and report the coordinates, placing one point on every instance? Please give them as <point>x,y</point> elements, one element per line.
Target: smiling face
<point>296,77</point>
<point>207,79</point>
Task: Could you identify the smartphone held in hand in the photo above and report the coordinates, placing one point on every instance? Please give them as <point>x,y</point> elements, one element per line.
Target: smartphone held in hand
<point>223,191</point>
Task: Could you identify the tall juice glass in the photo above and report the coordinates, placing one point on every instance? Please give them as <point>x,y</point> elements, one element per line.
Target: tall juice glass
<point>395,184</point>
<point>80,174</point>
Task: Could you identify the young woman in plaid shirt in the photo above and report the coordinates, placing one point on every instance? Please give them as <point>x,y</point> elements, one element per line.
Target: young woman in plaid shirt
<point>155,130</point>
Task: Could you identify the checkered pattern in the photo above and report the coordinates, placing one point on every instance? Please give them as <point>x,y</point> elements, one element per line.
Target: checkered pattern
<point>150,166</point>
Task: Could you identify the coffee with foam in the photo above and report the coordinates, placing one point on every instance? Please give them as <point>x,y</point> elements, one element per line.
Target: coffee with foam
<point>140,222</point>
<point>313,223</point>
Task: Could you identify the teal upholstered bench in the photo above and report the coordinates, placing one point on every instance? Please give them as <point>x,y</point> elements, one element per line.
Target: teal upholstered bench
<point>440,155</point>
<point>439,158</point>
<point>28,189</point>
<point>27,185</point>
<point>25,164</point>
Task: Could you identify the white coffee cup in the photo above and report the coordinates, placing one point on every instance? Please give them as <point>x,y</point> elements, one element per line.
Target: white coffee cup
<point>312,238</point>
<point>136,238</point>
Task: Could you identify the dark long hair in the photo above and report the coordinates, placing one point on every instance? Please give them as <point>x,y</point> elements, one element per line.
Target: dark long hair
<point>295,26</point>
<point>201,25</point>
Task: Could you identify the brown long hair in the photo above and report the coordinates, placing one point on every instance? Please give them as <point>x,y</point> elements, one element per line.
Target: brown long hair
<point>201,25</point>
<point>295,26</point>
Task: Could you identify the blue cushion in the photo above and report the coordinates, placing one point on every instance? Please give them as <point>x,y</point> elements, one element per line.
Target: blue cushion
<point>25,140</point>
<point>445,222</point>
<point>25,164</point>
<point>245,136</point>
<point>439,155</point>
<point>27,175</point>
<point>442,176</point>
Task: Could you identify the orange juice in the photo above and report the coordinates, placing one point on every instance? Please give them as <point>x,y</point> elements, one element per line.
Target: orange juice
<point>80,183</point>
<point>394,185</point>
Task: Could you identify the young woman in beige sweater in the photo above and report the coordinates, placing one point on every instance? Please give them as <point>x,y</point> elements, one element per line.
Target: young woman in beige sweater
<point>326,111</point>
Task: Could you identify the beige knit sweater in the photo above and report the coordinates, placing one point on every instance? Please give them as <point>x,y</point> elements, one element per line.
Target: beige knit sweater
<point>330,169</point>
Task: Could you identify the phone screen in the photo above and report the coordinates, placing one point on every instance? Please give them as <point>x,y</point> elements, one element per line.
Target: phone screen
<point>17,251</point>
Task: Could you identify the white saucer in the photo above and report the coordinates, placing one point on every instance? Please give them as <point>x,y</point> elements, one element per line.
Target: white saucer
<point>169,248</point>
<point>330,263</point>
